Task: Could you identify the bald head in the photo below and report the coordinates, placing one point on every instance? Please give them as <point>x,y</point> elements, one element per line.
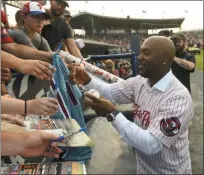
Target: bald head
<point>156,56</point>
<point>162,45</point>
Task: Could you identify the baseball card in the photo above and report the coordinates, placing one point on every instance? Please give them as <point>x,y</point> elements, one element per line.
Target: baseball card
<point>43,169</point>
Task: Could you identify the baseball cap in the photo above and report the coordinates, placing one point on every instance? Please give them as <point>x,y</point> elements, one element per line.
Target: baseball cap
<point>65,2</point>
<point>34,8</point>
<point>67,13</point>
<point>181,36</point>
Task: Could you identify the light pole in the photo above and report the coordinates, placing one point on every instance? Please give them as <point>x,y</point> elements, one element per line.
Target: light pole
<point>185,13</point>
<point>103,10</point>
<point>143,12</point>
<point>122,12</point>
<point>86,5</point>
<point>163,14</point>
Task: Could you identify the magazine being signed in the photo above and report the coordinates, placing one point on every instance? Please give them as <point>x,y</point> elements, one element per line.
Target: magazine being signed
<point>62,128</point>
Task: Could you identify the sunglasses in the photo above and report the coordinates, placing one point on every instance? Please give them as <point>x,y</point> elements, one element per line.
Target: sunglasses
<point>177,40</point>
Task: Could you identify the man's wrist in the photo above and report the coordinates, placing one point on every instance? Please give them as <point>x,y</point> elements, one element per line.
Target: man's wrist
<point>17,139</point>
<point>87,80</point>
<point>28,107</point>
<point>18,65</point>
<point>113,110</point>
<point>5,94</point>
<point>50,56</point>
<point>47,56</point>
<point>23,137</point>
<point>112,115</point>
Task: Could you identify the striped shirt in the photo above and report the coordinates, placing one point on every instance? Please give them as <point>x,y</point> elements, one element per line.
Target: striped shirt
<point>165,111</point>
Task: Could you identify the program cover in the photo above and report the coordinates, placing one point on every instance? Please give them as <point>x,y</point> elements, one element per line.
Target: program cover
<point>61,127</point>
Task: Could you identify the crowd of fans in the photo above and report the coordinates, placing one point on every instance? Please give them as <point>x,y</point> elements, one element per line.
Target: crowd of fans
<point>123,41</point>
<point>195,38</point>
<point>36,37</point>
<point>120,67</point>
<point>28,48</point>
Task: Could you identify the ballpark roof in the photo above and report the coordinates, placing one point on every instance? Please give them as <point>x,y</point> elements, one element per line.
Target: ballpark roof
<point>94,47</point>
<point>102,22</point>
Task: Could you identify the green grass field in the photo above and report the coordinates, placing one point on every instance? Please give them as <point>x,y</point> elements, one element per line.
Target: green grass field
<point>199,61</point>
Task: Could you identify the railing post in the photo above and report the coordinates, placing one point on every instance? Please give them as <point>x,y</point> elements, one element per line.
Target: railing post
<point>134,64</point>
<point>135,47</point>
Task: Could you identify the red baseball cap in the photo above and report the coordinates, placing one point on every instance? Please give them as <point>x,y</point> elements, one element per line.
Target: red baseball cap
<point>34,8</point>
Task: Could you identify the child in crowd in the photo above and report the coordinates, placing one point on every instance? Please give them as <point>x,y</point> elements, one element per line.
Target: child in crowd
<point>34,18</point>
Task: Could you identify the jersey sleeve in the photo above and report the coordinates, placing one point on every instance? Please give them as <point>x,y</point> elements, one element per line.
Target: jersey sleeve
<point>123,91</point>
<point>172,119</point>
